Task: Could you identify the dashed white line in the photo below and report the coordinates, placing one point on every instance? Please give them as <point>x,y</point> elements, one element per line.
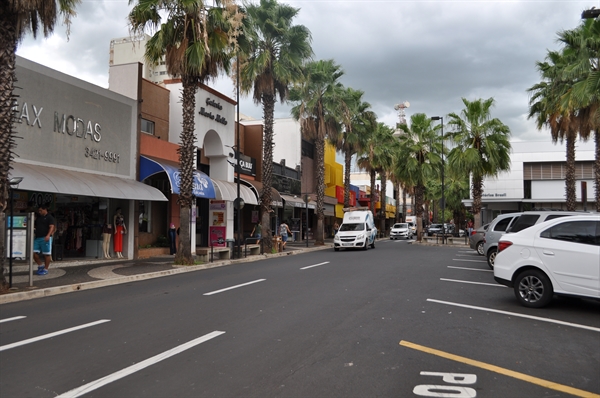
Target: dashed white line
<point>14,318</point>
<point>94,385</point>
<point>316,265</point>
<point>537,318</point>
<point>471,269</point>
<point>472,283</point>
<point>233,287</point>
<point>49,335</point>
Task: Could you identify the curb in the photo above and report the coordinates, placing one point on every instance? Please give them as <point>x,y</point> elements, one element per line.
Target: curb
<point>53,291</point>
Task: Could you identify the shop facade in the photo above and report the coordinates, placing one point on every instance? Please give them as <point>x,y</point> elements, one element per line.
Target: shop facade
<point>77,152</point>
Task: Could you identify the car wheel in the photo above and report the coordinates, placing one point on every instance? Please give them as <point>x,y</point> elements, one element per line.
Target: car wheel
<point>373,244</point>
<point>480,248</point>
<point>491,257</point>
<point>533,289</point>
<point>366,246</point>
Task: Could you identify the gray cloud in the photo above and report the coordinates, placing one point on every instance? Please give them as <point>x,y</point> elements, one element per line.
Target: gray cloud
<point>430,53</point>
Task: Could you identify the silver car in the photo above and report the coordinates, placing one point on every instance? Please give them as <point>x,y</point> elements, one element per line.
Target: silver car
<point>476,239</point>
<point>401,230</point>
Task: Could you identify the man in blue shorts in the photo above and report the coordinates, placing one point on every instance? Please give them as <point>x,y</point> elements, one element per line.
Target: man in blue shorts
<point>44,229</point>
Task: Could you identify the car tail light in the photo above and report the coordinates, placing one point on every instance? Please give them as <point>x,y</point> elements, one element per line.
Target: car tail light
<point>503,244</point>
<point>473,232</point>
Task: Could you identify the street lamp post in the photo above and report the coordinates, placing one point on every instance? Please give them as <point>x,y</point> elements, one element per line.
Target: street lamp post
<point>306,200</point>
<point>239,202</point>
<point>12,183</point>
<point>441,119</point>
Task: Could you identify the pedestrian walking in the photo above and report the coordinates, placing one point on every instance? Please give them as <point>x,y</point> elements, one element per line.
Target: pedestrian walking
<point>284,230</point>
<point>336,228</point>
<point>257,232</point>
<point>45,225</point>
<point>173,239</point>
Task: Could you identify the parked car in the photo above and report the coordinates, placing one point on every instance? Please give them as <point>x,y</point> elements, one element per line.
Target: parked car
<point>401,230</point>
<point>560,256</point>
<point>516,222</point>
<point>433,229</point>
<point>476,239</point>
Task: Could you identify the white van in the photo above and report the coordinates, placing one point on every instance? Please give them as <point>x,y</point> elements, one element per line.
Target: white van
<point>412,223</point>
<point>357,230</point>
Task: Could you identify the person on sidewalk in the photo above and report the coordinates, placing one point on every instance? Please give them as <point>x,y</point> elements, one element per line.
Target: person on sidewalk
<point>120,230</point>
<point>173,239</point>
<point>257,232</point>
<point>44,229</point>
<point>284,230</point>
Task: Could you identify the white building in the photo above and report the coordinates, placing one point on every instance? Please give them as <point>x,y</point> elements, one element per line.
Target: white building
<point>537,179</point>
<point>127,50</point>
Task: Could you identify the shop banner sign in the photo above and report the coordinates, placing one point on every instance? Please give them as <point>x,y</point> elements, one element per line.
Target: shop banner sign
<point>217,236</point>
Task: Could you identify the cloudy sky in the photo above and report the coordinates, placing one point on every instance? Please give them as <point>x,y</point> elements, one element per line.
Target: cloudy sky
<point>429,53</point>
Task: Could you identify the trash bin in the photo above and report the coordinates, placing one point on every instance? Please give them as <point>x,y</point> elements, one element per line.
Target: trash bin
<point>231,245</point>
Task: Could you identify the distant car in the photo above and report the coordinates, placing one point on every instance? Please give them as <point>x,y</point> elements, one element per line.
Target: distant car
<point>401,230</point>
<point>434,229</point>
<point>476,239</point>
<point>560,256</point>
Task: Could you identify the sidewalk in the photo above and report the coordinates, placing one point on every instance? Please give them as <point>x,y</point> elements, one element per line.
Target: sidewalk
<point>78,274</point>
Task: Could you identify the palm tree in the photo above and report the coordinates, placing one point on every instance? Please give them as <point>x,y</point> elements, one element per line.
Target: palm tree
<point>418,158</point>
<point>481,146</point>
<point>196,43</point>
<point>584,94</point>
<point>17,18</point>
<point>547,106</point>
<point>272,60</point>
<point>358,119</point>
<point>317,99</point>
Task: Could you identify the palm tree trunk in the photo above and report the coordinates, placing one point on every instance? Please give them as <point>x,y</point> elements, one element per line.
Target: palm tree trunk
<point>383,203</point>
<point>268,101</point>
<point>570,174</point>
<point>320,163</point>
<point>8,48</point>
<point>347,165</point>
<point>419,210</point>
<point>477,191</point>
<point>372,200</point>
<point>397,196</point>
<point>597,170</point>
<point>186,160</point>
<point>404,204</point>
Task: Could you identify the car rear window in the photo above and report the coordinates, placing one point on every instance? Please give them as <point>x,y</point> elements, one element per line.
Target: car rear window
<point>502,224</point>
<point>524,222</point>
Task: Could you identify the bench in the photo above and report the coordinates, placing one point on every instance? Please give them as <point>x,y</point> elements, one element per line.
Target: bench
<point>252,246</point>
<point>220,253</point>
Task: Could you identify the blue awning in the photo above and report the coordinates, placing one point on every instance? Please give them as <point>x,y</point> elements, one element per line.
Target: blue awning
<point>202,187</point>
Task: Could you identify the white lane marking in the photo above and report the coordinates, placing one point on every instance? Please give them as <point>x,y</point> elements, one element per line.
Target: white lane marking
<point>471,269</point>
<point>466,251</point>
<point>316,265</point>
<point>49,335</point>
<point>472,283</point>
<point>14,318</point>
<point>234,287</point>
<point>94,385</point>
<point>472,261</point>
<point>537,318</point>
<point>473,254</point>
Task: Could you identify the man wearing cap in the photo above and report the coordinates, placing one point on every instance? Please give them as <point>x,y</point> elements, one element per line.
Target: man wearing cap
<point>44,229</point>
<point>173,238</point>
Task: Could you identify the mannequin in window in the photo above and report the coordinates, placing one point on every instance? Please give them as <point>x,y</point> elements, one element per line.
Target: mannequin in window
<point>120,230</point>
<point>107,231</point>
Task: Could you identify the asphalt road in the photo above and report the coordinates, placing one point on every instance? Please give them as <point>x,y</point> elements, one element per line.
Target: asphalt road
<point>398,321</point>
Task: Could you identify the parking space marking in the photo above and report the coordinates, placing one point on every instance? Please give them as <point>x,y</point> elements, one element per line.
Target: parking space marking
<point>471,269</point>
<point>14,318</point>
<point>472,261</point>
<point>316,265</point>
<point>233,287</point>
<point>503,371</point>
<point>516,314</point>
<point>468,255</point>
<point>472,283</point>
<point>53,334</point>
<point>94,385</point>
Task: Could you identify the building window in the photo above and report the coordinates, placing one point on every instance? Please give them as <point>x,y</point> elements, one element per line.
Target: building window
<point>144,223</point>
<point>147,126</point>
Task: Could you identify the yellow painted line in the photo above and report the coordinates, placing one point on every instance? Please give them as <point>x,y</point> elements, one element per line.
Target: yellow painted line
<point>506,372</point>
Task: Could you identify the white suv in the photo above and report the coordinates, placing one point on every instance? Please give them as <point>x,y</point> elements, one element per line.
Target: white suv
<point>401,230</point>
<point>561,256</point>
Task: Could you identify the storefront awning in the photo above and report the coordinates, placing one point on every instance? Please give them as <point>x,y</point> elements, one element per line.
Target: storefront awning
<point>226,190</point>
<point>202,186</point>
<point>69,182</point>
<point>292,201</point>
<point>257,187</point>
